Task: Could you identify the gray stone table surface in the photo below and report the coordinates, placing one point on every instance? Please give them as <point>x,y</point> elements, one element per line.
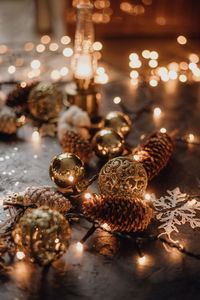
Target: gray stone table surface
<point>108,267</point>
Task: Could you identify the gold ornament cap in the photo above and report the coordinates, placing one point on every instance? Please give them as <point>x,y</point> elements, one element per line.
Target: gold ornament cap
<point>123,176</point>
<point>118,121</point>
<point>107,143</point>
<point>66,170</point>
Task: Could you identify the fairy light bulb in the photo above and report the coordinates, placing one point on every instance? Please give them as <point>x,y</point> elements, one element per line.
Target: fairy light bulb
<point>79,247</point>
<point>191,137</point>
<point>181,39</point>
<point>87,195</point>
<point>142,260</point>
<point>83,62</point>
<point>35,136</point>
<point>105,226</point>
<point>71,178</point>
<point>163,130</point>
<point>35,64</point>
<point>11,69</point>
<point>117,100</point>
<point>20,255</point>
<point>146,54</point>
<point>147,196</point>
<point>157,112</point>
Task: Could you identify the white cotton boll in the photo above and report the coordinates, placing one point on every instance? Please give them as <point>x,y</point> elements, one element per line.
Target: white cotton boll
<point>73,119</point>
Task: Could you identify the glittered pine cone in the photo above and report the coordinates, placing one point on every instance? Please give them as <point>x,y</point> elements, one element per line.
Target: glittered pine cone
<point>73,143</point>
<point>155,153</point>
<point>7,120</point>
<point>119,213</point>
<point>40,196</point>
<point>18,97</point>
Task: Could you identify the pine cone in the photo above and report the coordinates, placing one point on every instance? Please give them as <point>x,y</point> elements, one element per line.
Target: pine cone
<point>73,143</point>
<point>40,196</point>
<point>7,120</point>
<point>121,214</point>
<point>155,153</point>
<point>18,97</point>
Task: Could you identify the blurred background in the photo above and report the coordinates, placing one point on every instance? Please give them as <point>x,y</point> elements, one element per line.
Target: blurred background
<point>171,28</point>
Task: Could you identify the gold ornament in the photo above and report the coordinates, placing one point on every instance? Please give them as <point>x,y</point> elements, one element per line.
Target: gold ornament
<point>66,170</point>
<point>45,101</point>
<point>122,176</point>
<point>107,143</point>
<point>118,121</point>
<point>42,234</point>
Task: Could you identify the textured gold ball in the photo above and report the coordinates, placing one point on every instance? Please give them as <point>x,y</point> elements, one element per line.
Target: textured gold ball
<point>118,121</point>
<point>42,234</point>
<point>45,101</point>
<point>107,143</point>
<point>66,170</point>
<point>122,176</point>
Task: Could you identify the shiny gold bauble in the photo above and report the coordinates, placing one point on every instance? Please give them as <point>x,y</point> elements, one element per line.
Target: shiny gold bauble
<point>122,176</point>
<point>107,143</point>
<point>42,234</point>
<point>45,101</point>
<point>118,121</point>
<point>66,170</point>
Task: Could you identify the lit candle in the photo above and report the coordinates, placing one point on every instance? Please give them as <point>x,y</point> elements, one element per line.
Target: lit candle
<point>83,69</point>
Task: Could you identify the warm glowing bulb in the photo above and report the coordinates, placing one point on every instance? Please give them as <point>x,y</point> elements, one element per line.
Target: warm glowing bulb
<point>117,100</point>
<point>97,46</point>
<point>134,74</point>
<point>162,71</point>
<point>65,40</point>
<point>64,71</point>
<point>153,55</point>
<point>173,74</point>
<point>55,75</point>
<point>35,64</point>
<point>135,64</point>
<point>35,136</point>
<point>191,137</point>
<point>40,48</point>
<point>157,111</point>
<point>71,178</point>
<point>181,40</point>
<point>163,130</point>
<point>133,56</point>
<point>142,260</point>
<point>192,66</point>
<point>102,78</point>
<point>136,157</point>
<point>45,39</point>
<point>134,82</point>
<point>153,63</point>
<point>67,52</point>
<point>3,49</point>
<point>20,255</point>
<point>165,77</point>
<point>183,78</point>
<point>53,47</point>
<point>87,195</point>
<point>183,65</point>
<point>153,82</point>
<point>105,226</point>
<point>28,46</point>
<point>173,66</point>
<point>11,69</point>
<point>146,54</point>
<point>79,246</point>
<point>23,84</point>
<point>100,70</point>
<point>194,58</point>
<point>147,196</point>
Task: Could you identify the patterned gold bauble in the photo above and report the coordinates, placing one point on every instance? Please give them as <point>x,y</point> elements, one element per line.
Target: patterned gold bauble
<point>122,176</point>
<point>42,234</point>
<point>107,143</point>
<point>66,170</point>
<point>45,101</point>
<point>118,121</point>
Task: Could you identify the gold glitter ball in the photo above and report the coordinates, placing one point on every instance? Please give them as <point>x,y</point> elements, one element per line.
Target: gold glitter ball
<point>107,143</point>
<point>42,234</point>
<point>122,176</point>
<point>45,101</point>
<point>66,170</point>
<point>118,121</point>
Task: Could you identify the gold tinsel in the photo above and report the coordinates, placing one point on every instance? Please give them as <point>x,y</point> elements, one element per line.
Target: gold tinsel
<point>40,196</point>
<point>74,143</point>
<point>155,153</point>
<point>118,212</point>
